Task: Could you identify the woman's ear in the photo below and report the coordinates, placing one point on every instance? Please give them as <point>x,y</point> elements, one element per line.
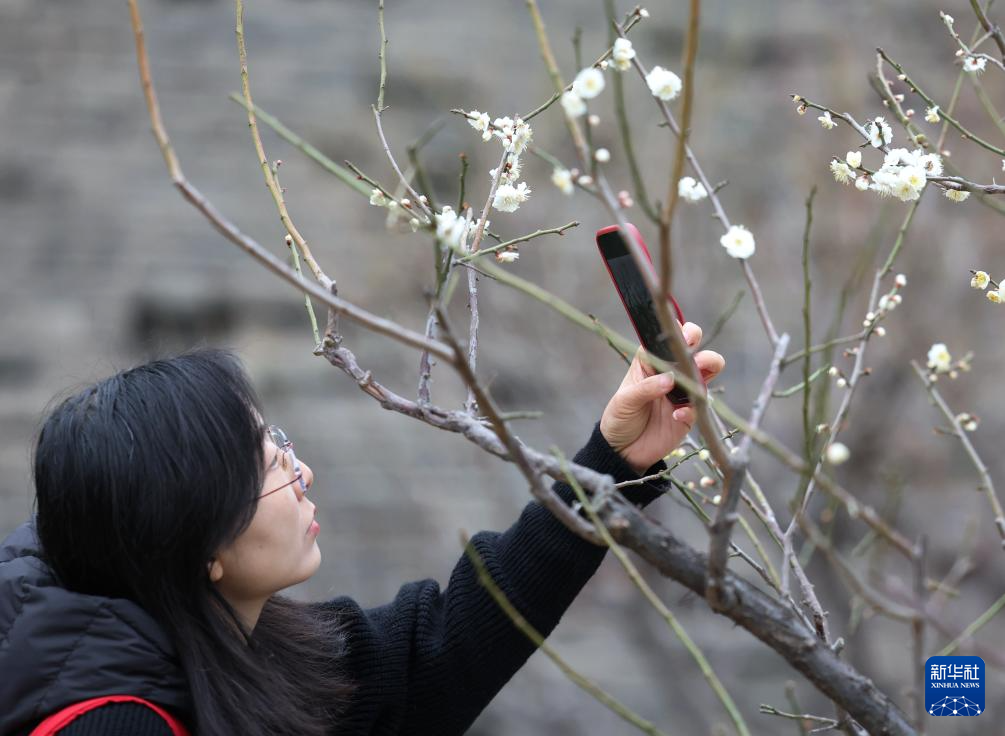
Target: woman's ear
<point>215,570</point>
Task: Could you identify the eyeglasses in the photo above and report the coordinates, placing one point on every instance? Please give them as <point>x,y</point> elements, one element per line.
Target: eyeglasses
<point>287,459</point>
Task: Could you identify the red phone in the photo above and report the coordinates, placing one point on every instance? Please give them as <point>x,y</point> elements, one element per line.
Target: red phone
<point>636,298</point>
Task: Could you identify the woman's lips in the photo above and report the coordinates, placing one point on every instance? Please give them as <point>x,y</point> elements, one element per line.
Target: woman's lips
<point>314,528</point>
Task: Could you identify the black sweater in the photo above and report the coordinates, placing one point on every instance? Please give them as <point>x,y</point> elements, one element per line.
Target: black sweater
<point>431,660</point>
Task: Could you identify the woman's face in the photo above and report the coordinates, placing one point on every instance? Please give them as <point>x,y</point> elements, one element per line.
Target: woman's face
<point>279,548</point>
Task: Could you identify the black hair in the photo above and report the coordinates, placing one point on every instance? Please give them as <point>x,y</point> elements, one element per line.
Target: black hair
<point>140,480</point>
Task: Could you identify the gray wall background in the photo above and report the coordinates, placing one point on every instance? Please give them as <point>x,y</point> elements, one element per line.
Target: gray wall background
<point>102,265</point>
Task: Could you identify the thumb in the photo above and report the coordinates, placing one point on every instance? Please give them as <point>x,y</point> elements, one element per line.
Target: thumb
<point>646,391</point>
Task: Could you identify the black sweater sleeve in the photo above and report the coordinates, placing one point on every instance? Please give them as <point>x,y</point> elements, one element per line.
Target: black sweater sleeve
<point>430,661</point>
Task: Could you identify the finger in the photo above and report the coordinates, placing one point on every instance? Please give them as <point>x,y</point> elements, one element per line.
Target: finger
<point>684,415</point>
<point>633,398</point>
<point>710,363</point>
<point>692,334</point>
<point>644,368</point>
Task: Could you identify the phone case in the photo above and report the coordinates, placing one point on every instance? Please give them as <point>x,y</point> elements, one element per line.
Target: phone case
<point>636,312</point>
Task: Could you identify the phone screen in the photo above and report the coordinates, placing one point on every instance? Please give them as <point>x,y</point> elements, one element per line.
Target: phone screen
<point>635,295</point>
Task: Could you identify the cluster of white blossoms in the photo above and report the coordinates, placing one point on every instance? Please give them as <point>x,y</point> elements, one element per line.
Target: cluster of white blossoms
<point>738,242</point>
<point>690,190</point>
<point>903,174</point>
<point>515,136</point>
<point>981,280</point>
<point>589,82</point>
<point>453,229</point>
<point>622,54</point>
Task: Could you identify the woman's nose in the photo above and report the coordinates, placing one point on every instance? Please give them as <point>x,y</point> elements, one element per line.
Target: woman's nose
<point>307,473</point>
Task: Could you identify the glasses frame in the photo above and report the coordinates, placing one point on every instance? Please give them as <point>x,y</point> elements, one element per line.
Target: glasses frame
<point>285,445</point>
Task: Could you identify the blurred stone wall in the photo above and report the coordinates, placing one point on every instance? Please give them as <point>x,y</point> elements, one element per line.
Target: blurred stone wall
<point>102,265</point>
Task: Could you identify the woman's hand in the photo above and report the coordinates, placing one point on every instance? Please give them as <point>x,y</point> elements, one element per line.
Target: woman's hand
<point>639,422</point>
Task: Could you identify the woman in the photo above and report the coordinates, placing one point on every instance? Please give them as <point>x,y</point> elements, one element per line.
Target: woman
<point>169,515</point>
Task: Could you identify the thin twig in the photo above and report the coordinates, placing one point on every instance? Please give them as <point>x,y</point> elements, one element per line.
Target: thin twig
<point>720,212</point>
<point>986,484</point>
<point>270,180</point>
<point>594,690</point>
<point>931,103</point>
<point>673,193</point>
<point>722,527</point>
<point>522,239</point>
<point>249,245</point>
<point>656,603</point>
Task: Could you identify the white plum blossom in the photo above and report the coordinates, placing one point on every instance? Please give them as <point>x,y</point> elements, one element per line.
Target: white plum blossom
<point>690,190</point>
<point>826,121</point>
<point>377,198</point>
<point>905,191</point>
<point>507,256</point>
<point>562,178</point>
<point>510,174</point>
<point>602,155</point>
<point>623,53</point>
<point>480,122</point>
<point>931,163</point>
<point>957,195</point>
<point>939,359</point>
<point>901,156</point>
<point>514,134</point>
<point>932,114</point>
<point>451,228</point>
<point>738,242</point>
<point>853,159</point>
<point>837,453</point>
<point>996,296</point>
<point>663,83</point>
<point>980,280</point>
<point>974,64</point>
<point>643,13</point>
<point>880,133</point>
<point>588,83</point>
<point>947,19</point>
<point>883,182</point>
<point>573,104</point>
<point>967,421</point>
<point>508,197</point>
<point>914,176</point>
<point>593,120</point>
<point>585,180</point>
<point>862,183</point>
<point>842,172</point>
<point>900,281</point>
